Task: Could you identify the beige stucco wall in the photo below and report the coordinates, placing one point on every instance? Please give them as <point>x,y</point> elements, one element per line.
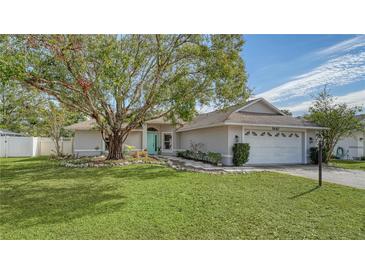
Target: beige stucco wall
<point>88,143</point>
<point>214,139</point>
<point>134,139</point>
<point>352,145</point>
<point>232,132</point>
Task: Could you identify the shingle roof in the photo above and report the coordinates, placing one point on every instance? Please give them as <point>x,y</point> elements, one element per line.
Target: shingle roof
<point>209,119</point>
<point>232,115</point>
<point>361,117</point>
<point>84,125</point>
<point>162,120</point>
<point>5,132</point>
<point>91,124</point>
<point>267,119</point>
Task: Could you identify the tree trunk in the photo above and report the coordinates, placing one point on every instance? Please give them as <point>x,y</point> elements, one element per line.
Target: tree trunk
<point>115,147</point>
<point>330,147</point>
<point>58,149</point>
<point>56,141</point>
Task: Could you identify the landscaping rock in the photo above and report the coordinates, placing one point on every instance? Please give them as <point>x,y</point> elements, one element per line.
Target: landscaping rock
<point>96,162</point>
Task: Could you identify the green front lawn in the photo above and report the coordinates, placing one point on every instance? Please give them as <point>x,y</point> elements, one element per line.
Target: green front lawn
<point>359,165</point>
<point>41,200</point>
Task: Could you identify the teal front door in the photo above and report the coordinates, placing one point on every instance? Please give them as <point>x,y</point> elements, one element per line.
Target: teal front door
<point>152,141</point>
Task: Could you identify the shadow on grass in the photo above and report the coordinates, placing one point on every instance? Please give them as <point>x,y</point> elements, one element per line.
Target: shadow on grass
<point>28,205</point>
<point>42,192</point>
<point>30,170</point>
<point>304,193</point>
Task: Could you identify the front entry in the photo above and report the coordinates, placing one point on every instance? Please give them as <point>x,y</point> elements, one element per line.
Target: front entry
<point>152,143</point>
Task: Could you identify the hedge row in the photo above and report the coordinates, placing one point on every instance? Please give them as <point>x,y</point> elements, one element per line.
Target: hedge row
<point>209,157</point>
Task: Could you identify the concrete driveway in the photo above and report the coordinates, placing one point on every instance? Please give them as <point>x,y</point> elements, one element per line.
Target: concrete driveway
<point>347,177</point>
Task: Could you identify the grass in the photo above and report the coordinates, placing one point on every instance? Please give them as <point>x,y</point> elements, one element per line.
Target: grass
<point>41,200</point>
<point>348,164</point>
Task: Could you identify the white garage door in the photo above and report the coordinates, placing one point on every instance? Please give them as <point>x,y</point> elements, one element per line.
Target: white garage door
<point>274,147</point>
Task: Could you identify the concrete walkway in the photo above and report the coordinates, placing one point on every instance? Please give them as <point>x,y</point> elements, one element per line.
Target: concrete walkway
<point>186,164</point>
<point>347,177</point>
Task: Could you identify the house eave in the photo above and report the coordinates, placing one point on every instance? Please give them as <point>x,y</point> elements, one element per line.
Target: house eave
<point>253,125</point>
<point>95,129</point>
<point>274,125</point>
<point>200,127</point>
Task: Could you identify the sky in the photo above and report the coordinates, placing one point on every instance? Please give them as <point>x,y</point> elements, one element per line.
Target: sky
<point>288,70</point>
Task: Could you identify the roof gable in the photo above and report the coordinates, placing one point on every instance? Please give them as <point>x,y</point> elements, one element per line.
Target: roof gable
<point>260,106</point>
<point>255,112</point>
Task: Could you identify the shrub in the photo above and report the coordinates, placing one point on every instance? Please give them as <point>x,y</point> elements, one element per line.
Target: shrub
<point>214,158</point>
<point>127,149</point>
<point>210,157</point>
<point>313,154</point>
<point>241,152</point>
<point>143,153</point>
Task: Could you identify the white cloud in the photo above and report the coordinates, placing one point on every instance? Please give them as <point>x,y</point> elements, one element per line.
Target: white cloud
<point>353,99</point>
<point>345,46</point>
<point>338,71</point>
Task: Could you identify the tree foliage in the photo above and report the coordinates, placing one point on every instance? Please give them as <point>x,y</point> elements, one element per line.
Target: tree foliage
<point>338,118</point>
<point>20,109</point>
<point>123,80</point>
<point>25,111</point>
<point>287,112</point>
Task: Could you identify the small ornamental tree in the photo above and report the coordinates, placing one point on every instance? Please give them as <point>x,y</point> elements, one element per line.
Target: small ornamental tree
<point>55,118</point>
<point>122,81</point>
<point>338,118</point>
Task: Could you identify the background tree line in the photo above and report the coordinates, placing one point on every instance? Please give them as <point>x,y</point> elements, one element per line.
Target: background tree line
<point>24,110</point>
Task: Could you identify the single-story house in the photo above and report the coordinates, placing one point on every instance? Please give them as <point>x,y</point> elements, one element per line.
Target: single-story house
<point>352,147</point>
<point>274,137</point>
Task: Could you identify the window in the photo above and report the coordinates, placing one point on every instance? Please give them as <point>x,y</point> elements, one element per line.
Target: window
<point>167,141</point>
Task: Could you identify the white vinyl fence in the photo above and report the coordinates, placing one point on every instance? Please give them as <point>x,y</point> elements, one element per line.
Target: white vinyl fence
<point>12,146</point>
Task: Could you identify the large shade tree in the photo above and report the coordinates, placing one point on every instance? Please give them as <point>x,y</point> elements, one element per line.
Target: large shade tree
<point>122,81</point>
